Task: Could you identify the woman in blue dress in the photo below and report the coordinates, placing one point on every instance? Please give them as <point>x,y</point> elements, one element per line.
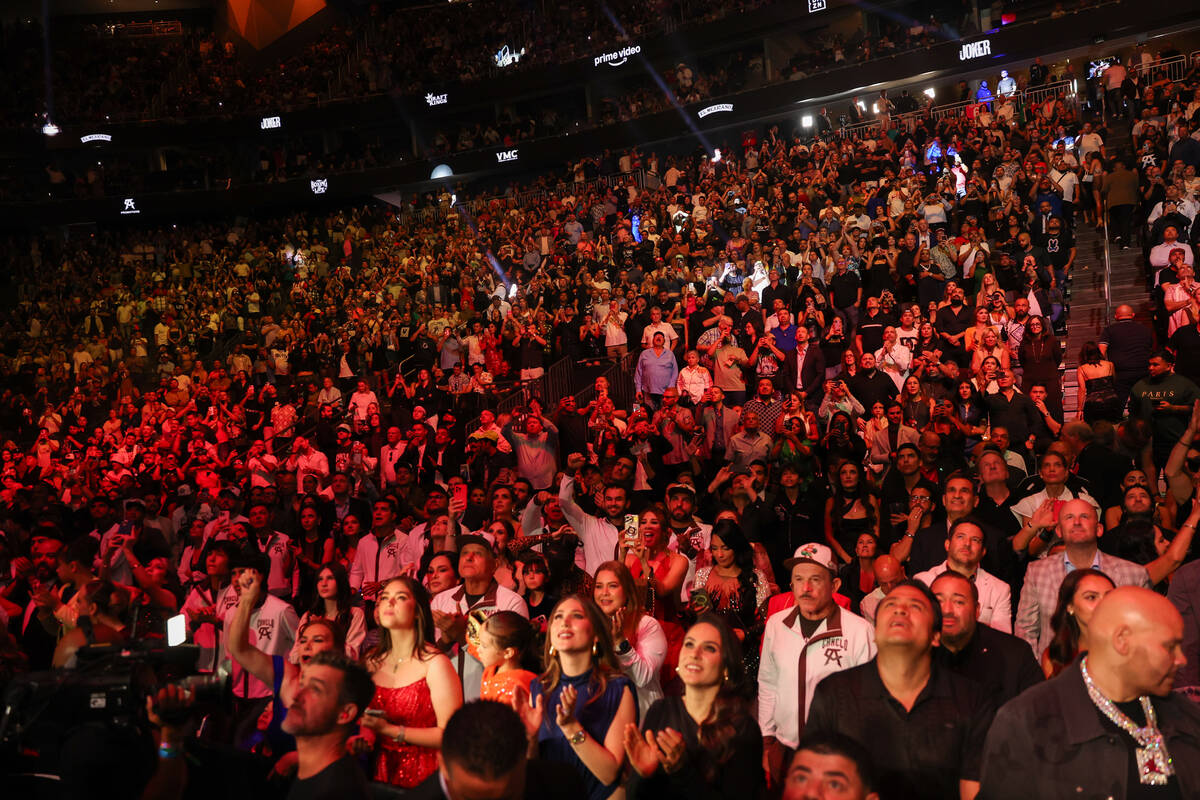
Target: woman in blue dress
<point>579,706</point>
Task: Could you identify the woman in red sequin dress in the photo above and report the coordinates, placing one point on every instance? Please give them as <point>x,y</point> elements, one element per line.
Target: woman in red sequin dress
<point>416,689</point>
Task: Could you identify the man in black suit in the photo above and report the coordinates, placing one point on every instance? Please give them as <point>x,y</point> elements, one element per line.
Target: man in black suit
<point>804,370</point>
<point>484,757</point>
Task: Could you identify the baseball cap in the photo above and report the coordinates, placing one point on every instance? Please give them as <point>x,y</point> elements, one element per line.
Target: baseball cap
<point>473,538</point>
<point>681,488</point>
<point>813,553</point>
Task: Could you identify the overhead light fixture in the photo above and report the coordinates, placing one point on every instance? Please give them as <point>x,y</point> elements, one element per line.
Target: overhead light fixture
<point>50,129</point>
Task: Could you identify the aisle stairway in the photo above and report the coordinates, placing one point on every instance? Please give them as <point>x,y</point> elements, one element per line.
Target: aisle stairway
<point>1089,306</point>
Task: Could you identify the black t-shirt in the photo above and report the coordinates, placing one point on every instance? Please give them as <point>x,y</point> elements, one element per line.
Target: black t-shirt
<point>341,780</point>
<point>845,289</point>
<point>1134,788</point>
<point>871,330</point>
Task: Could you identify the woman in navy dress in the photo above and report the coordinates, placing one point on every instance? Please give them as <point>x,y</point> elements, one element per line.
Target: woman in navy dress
<point>579,706</point>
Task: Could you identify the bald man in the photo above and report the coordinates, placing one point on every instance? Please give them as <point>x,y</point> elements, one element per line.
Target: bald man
<point>888,573</point>
<point>1080,529</point>
<point>1128,344</point>
<point>1070,736</point>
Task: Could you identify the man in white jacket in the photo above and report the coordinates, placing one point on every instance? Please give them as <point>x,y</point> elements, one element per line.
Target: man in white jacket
<point>801,645</point>
<point>964,551</point>
<point>479,595</point>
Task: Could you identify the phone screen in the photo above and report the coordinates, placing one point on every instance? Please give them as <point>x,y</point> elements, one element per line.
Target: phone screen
<point>176,630</point>
<point>631,528</point>
<point>459,491</point>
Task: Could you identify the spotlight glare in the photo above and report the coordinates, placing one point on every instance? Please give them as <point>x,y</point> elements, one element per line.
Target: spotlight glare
<point>806,121</point>
<point>50,129</point>
<point>930,93</point>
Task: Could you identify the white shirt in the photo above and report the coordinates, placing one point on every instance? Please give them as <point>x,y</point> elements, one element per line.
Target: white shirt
<point>791,663</point>
<point>599,536</point>
<point>273,628</point>
<point>454,601</point>
<point>995,596</point>
<point>1160,254</point>
<point>644,661</point>
<point>375,560</point>
<point>206,636</point>
<point>1185,205</point>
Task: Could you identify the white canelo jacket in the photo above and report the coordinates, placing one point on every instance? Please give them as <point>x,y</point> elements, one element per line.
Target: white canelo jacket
<point>792,665</point>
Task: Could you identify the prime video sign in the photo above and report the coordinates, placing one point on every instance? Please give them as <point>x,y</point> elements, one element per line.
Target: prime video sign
<point>719,108</point>
<point>973,50</point>
<point>617,57</point>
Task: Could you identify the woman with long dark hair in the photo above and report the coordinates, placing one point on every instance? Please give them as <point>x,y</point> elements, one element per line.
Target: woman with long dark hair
<point>707,743</point>
<point>858,577</point>
<point>736,590</point>
<point>1078,596</point>
<point>314,547</point>
<point>416,688</point>
<point>581,703</point>
<point>1096,378</point>
<point>1040,356</point>
<point>333,601</point>
<point>850,511</point>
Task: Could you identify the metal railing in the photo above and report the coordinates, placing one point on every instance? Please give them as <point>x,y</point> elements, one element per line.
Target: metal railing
<point>1174,68</point>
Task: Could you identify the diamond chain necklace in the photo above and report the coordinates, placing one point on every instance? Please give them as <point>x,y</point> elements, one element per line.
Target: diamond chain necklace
<point>1153,761</point>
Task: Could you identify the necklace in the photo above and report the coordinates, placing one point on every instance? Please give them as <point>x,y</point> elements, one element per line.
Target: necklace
<point>1153,761</point>
<point>399,660</point>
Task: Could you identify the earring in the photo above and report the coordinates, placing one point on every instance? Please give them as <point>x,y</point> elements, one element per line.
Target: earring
<point>553,652</point>
<point>595,648</point>
<point>727,676</point>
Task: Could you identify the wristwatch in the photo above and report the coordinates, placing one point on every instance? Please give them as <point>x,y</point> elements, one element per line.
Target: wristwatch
<point>624,647</point>
<point>577,738</point>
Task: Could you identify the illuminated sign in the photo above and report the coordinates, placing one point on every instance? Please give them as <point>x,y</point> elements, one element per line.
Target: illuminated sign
<point>505,156</point>
<point>617,57</point>
<point>719,108</point>
<point>432,99</point>
<point>95,137</point>
<point>506,57</point>
<point>319,185</point>
<point>269,123</point>
<point>816,5</point>
<point>130,207</point>
<point>975,50</point>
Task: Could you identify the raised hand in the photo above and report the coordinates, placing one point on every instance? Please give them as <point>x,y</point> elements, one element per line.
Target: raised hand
<point>672,749</point>
<point>564,713</point>
<point>531,714</point>
<point>1043,516</point>
<point>642,751</point>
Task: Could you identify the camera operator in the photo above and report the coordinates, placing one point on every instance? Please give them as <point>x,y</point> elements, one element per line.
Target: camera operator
<point>328,700</point>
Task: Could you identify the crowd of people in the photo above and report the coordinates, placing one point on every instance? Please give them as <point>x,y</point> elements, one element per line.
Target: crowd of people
<point>844,533</point>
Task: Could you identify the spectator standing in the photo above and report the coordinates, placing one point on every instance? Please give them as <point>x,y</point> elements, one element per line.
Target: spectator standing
<point>802,645</point>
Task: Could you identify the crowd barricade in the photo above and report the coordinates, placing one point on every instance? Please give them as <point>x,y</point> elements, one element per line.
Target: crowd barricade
<point>1174,68</point>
